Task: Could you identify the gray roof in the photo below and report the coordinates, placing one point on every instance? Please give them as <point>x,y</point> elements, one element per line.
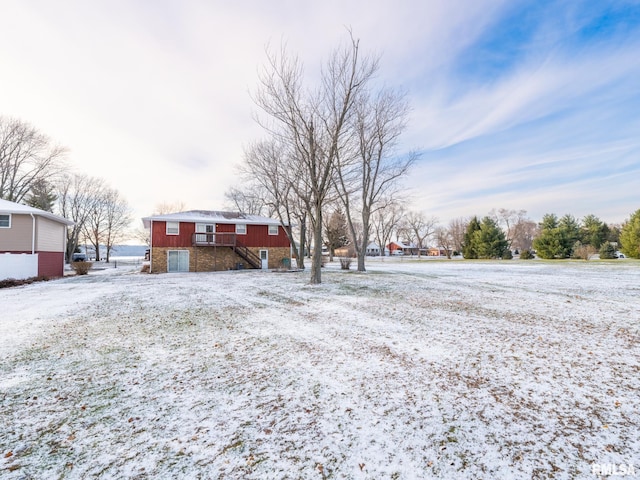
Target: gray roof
<point>18,209</point>
<point>211,216</point>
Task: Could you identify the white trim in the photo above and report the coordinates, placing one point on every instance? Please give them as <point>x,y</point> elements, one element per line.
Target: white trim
<point>179,264</point>
<point>151,246</point>
<point>7,215</point>
<point>264,262</point>
<point>206,216</point>
<point>241,226</point>
<point>173,225</point>
<point>276,228</point>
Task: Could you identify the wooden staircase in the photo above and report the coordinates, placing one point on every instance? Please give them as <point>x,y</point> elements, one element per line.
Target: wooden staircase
<point>247,255</point>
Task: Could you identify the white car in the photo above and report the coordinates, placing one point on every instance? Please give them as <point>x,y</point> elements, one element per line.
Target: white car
<point>397,252</point>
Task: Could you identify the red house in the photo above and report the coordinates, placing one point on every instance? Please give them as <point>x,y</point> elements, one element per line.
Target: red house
<point>207,241</point>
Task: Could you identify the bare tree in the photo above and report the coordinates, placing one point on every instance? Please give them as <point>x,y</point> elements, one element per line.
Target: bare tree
<point>117,219</point>
<point>164,208</point>
<point>385,222</point>
<point>26,156</point>
<point>457,230</point>
<point>250,200</point>
<point>445,240</point>
<point>421,227</point>
<point>76,197</point>
<point>266,164</point>
<point>507,219</point>
<point>370,172</point>
<point>312,125</point>
<point>94,226</point>
<point>524,231</point>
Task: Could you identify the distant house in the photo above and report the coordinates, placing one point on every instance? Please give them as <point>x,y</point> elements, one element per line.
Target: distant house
<point>436,251</point>
<point>206,241</point>
<point>373,250</point>
<point>32,242</point>
<point>399,248</point>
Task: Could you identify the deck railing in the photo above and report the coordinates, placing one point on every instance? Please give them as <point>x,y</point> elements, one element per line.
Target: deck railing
<point>214,240</point>
<point>226,240</point>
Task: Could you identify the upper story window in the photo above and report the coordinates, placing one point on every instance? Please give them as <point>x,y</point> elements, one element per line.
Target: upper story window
<point>5,220</point>
<point>241,228</point>
<point>273,229</point>
<point>173,228</point>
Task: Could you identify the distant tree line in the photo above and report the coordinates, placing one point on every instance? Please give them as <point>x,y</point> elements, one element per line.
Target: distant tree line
<point>33,171</point>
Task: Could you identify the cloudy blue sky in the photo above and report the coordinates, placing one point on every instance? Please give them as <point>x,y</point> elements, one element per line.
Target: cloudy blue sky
<point>529,105</point>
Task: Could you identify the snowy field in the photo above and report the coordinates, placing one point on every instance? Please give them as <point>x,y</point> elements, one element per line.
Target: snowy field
<point>416,369</point>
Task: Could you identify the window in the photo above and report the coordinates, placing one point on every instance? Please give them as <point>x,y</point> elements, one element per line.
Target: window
<point>241,229</point>
<point>273,229</point>
<point>5,220</point>
<point>178,261</point>
<point>207,230</point>
<point>173,228</point>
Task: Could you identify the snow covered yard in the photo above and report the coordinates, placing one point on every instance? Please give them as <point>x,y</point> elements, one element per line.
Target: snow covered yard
<point>429,369</point>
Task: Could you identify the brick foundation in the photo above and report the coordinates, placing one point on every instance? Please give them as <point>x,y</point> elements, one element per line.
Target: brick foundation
<point>216,259</point>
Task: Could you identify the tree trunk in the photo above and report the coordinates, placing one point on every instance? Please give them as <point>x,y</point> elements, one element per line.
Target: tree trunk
<point>303,241</point>
<point>316,262</point>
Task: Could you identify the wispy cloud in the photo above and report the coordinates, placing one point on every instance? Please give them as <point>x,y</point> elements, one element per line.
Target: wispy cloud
<point>516,105</point>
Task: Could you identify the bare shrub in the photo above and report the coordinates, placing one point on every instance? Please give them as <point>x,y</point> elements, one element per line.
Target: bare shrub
<point>146,268</point>
<point>345,263</point>
<point>81,268</point>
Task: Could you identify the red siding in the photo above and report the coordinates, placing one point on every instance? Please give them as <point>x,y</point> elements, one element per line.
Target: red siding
<point>50,264</point>
<point>161,239</point>
<point>257,235</point>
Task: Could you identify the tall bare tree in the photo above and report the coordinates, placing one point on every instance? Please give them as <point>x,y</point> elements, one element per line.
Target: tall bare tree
<point>385,222</point>
<point>422,227</point>
<point>457,230</point>
<point>249,200</point>
<point>267,165</point>
<point>445,240</point>
<point>118,220</point>
<point>26,156</point>
<point>369,172</point>
<point>77,195</point>
<point>312,124</point>
<point>94,226</point>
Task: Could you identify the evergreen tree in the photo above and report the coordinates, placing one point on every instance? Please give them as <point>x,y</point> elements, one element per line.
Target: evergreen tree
<point>630,236</point>
<point>594,231</point>
<point>336,231</point>
<point>607,251</point>
<point>489,241</point>
<point>42,196</point>
<point>548,243</point>
<point>557,237</point>
<point>570,234</point>
<point>468,246</point>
